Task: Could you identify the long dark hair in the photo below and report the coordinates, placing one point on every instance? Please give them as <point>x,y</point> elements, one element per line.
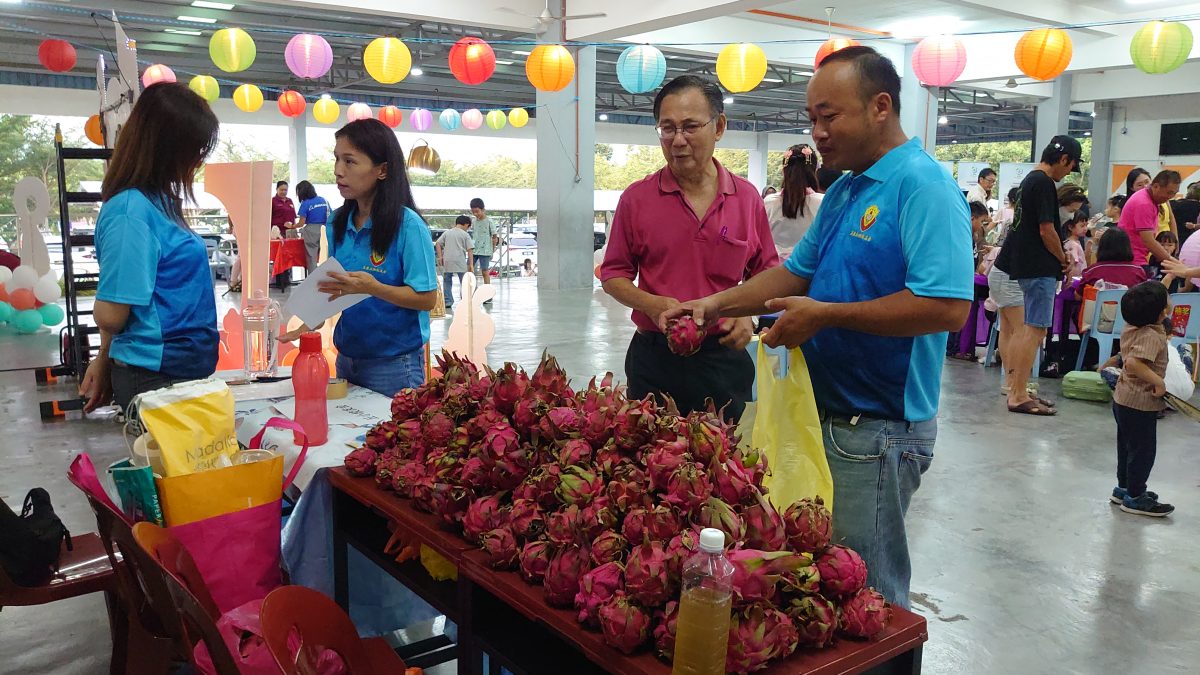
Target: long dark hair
<point>1131,177</point>
<point>1114,246</point>
<point>305,190</point>
<point>799,174</point>
<point>163,144</point>
<point>392,194</point>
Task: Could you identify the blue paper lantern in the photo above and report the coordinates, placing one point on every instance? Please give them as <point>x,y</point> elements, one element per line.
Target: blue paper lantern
<point>641,68</point>
<point>450,119</point>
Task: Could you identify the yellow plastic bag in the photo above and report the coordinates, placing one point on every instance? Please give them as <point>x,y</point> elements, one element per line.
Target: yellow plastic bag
<point>205,494</point>
<point>192,422</point>
<point>787,429</point>
<point>438,567</point>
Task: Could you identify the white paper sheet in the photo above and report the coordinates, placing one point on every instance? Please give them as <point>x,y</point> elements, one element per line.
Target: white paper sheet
<point>361,407</point>
<point>313,306</point>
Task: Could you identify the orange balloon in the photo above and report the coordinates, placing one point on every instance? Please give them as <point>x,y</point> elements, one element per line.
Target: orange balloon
<point>289,358</point>
<point>22,299</point>
<point>91,129</point>
<point>3,293</point>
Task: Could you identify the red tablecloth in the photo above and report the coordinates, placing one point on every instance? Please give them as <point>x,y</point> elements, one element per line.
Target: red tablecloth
<point>286,254</point>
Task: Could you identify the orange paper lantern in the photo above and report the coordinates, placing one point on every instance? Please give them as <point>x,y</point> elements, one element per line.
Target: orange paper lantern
<point>472,60</point>
<point>91,129</point>
<point>391,116</point>
<point>832,45</point>
<point>1043,54</point>
<point>291,103</point>
<point>550,67</point>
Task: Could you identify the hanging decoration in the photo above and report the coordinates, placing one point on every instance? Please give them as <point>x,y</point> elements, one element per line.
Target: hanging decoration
<point>472,119</point>
<point>232,49</point>
<point>830,46</point>
<point>472,61</point>
<point>450,120</point>
<point>308,56</point>
<point>424,159</point>
<point>641,68</point>
<point>359,111</point>
<point>1043,54</point>
<point>1160,47</point>
<point>157,73</point>
<point>741,66</point>
<point>56,55</point>
<point>387,59</point>
<point>291,103</point>
<point>421,119</point>
<point>550,67</point>
<point>248,98</point>
<point>206,86</point>
<point>518,117</point>
<point>939,60</point>
<point>91,129</point>
<point>391,116</point>
<point>326,110</point>
<point>496,120</point>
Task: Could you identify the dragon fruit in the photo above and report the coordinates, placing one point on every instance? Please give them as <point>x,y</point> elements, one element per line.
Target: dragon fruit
<point>565,526</point>
<point>663,460</point>
<point>662,523</point>
<point>508,386</point>
<point>406,404</point>
<point>528,412</point>
<point>595,589</point>
<point>679,549</point>
<point>479,388</point>
<point>475,474</point>
<point>560,423</point>
<point>865,614</point>
<point>608,547</point>
<point>687,487</point>
<point>809,525</point>
<point>450,502</point>
<point>550,380</point>
<point>664,629</point>
<point>408,480</point>
<point>754,461</point>
<point>526,520</point>
<point>757,635</point>
<point>575,452</point>
<point>437,430</point>
<point>597,517</point>
<point>361,461</point>
<point>624,624</point>
<point>707,437</point>
<point>499,442</point>
<point>685,336</point>
<point>408,432</point>
<point>646,577</point>
<point>731,482</point>
<point>842,570</point>
<point>609,459</point>
<point>800,575</point>
<point>479,425</point>
<point>634,525</point>
<point>485,513</point>
<point>764,526</point>
<point>539,486</point>
<point>633,424</point>
<point>756,574</point>
<point>625,495</point>
<point>386,466</point>
<point>815,618</point>
<point>501,547</point>
<point>566,569</point>
<point>718,514</point>
<point>382,436</point>
<point>597,427</point>
<point>508,472</point>
<point>579,486</point>
<point>534,559</point>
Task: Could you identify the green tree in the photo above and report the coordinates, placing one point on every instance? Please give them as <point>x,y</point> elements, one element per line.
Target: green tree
<point>1010,151</point>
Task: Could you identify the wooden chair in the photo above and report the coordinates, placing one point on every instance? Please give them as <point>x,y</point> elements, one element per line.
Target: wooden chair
<point>321,625</point>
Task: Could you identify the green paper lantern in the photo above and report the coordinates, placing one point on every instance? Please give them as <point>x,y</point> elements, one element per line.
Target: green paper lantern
<point>1160,47</point>
<point>232,49</point>
<point>27,321</point>
<point>52,314</point>
<point>206,86</point>
<point>496,120</point>
<point>6,312</point>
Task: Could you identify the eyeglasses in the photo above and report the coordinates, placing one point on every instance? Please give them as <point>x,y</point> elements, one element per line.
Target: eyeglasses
<point>690,129</point>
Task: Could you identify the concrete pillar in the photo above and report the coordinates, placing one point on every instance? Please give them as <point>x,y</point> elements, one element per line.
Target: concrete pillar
<point>298,150</point>
<point>1099,182</point>
<point>918,104</point>
<point>1053,116</point>
<point>758,161</point>
<point>566,146</point>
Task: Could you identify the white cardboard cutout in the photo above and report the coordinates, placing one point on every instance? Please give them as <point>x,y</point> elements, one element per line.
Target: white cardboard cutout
<point>472,329</point>
<point>31,246</point>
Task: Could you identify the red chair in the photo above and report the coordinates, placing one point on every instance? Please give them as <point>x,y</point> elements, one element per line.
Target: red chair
<point>321,625</point>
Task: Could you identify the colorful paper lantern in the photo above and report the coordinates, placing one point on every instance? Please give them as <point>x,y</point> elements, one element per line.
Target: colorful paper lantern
<point>450,120</point>
<point>421,119</point>
<point>291,103</point>
<point>641,68</point>
<point>91,129</point>
<point>518,117</point>
<point>741,66</point>
<point>359,111</point>
<point>206,86</point>
<point>326,111</point>
<point>232,49</point>
<point>472,60</point>
<point>56,55</point>
<point>496,120</point>
<point>939,60</point>
<point>387,59</point>
<point>248,98</point>
<point>1044,53</point>
<point>472,119</point>
<point>830,46</point>
<point>157,73</point>
<point>424,159</point>
<point>550,67</point>
<point>1160,47</point>
<point>391,116</point>
<point>308,56</point>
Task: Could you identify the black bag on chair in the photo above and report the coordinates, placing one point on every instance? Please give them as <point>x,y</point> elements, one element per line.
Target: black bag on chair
<point>30,543</point>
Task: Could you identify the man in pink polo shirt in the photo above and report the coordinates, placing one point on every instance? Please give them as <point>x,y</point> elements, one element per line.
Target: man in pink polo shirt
<point>685,232</point>
<point>1139,218</point>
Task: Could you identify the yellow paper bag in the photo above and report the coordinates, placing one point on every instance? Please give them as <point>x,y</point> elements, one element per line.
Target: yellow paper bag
<point>206,494</point>
<point>192,422</point>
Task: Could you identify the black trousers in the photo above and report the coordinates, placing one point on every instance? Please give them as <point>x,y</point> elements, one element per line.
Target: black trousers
<point>715,372</point>
<point>1137,443</point>
<point>129,381</point>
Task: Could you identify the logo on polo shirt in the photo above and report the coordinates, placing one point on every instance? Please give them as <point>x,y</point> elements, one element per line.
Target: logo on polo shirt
<point>377,258</point>
<point>868,218</point>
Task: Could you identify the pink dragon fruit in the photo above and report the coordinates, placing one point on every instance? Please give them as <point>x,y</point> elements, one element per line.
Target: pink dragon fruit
<point>508,387</point>
<point>679,549</point>
<point>664,629</point>
<point>624,624</point>
<point>634,525</point>
<point>539,486</point>
<point>565,526</point>
<point>405,405</point>
<point>758,634</point>
<point>610,459</point>
<point>646,577</point>
<point>501,547</point>
<point>597,517</point>
<point>475,474</point>
<point>566,569</point>
<point>707,438</point>
<point>575,452</point>
<point>754,461</point>
<point>764,526</point>
<point>595,589</point>
<point>485,513</point>
<point>534,559</point>
<point>408,432</point>
<point>633,424</point>
<point>842,570</point>
<point>500,441</point>
<point>361,461</point>
<point>865,614</point>
<point>437,430</point>
<point>479,388</point>
<point>560,423</point>
<point>382,436</point>
<point>800,575</point>
<point>662,523</point>
<point>528,411</point>
<point>627,494</point>
<point>731,481</point>
<point>809,525</point>
<point>409,479</point>
<point>550,380</point>
<point>450,502</point>
<point>487,418</point>
<point>756,574</point>
<point>526,520</point>
<point>597,427</point>
<point>685,336</point>
<point>456,401</point>
<point>687,487</point>
<point>579,486</point>
<point>509,471</point>
<point>718,514</point>
<point>387,465</point>
<point>608,547</point>
<point>815,618</point>
<point>662,461</point>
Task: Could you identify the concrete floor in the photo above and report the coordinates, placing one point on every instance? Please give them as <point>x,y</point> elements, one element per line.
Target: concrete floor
<point>1020,563</point>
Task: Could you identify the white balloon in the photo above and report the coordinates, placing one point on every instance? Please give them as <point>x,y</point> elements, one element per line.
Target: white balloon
<point>22,277</point>
<point>46,289</point>
<point>5,275</point>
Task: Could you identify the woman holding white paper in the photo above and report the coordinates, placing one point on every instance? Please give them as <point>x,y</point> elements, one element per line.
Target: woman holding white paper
<point>382,241</point>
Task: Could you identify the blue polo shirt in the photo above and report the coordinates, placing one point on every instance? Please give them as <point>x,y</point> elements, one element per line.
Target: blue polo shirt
<point>314,211</point>
<point>375,328</point>
<point>903,223</point>
<point>158,267</point>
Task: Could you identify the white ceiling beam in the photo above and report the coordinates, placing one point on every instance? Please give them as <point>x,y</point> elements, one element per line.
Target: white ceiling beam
<point>464,12</point>
<point>1125,83</point>
<point>1048,12</point>
<point>629,17</point>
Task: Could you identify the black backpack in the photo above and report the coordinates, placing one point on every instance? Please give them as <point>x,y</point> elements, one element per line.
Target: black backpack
<point>30,543</point>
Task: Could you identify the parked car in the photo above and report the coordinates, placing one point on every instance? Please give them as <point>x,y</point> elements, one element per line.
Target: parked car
<point>514,253</point>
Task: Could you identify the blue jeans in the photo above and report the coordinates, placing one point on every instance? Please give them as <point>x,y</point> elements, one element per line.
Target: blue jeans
<point>387,375</point>
<point>1039,300</point>
<point>448,285</point>
<point>877,466</point>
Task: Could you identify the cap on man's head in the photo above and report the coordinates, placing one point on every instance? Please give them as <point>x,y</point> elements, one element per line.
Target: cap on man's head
<point>1060,145</point>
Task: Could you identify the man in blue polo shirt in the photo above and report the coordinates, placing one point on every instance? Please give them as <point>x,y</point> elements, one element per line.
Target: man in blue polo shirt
<point>869,294</point>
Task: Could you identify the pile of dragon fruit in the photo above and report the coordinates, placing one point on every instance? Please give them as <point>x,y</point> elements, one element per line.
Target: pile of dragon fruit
<point>600,499</point>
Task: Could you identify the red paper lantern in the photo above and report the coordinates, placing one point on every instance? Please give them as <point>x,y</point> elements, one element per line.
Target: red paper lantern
<point>833,45</point>
<point>291,103</point>
<point>57,55</point>
<point>391,116</point>
<point>939,60</point>
<point>472,60</point>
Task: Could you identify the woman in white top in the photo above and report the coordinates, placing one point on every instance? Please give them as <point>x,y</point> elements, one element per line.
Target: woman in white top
<point>794,208</point>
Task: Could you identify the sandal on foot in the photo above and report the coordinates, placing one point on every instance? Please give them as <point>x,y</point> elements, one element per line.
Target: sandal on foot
<point>1033,407</point>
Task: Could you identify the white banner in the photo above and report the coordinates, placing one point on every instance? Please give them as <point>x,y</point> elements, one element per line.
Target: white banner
<point>968,173</point>
<point>1011,175</point>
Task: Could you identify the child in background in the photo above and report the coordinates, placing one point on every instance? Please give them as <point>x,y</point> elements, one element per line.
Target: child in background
<point>1100,223</point>
<point>1138,397</point>
<point>1073,247</point>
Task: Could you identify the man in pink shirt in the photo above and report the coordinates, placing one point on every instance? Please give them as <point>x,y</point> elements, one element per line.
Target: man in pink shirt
<point>685,232</point>
<point>1139,218</point>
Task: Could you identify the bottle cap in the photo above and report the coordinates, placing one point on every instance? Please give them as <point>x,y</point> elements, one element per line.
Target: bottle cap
<point>310,342</point>
<point>712,540</point>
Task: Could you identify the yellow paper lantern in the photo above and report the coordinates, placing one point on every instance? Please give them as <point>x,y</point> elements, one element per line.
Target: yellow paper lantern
<point>496,120</point>
<point>387,59</point>
<point>518,117</point>
<point>232,49</point>
<point>248,98</point>
<point>326,111</point>
<point>206,86</point>
<point>91,129</point>
<point>1043,54</point>
<point>741,66</point>
<point>1160,47</point>
<point>550,67</point>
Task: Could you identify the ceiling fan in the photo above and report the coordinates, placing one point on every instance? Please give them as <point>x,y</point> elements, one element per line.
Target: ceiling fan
<point>546,18</point>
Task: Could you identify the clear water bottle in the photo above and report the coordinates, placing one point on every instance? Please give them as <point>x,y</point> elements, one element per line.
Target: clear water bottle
<point>702,629</point>
<point>260,333</point>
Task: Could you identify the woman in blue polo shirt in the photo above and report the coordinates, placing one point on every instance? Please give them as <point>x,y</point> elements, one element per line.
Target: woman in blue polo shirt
<point>312,216</point>
<point>154,305</point>
<point>386,248</point>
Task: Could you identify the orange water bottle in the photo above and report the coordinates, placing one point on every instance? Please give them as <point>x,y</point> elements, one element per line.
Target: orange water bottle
<point>702,629</point>
<point>310,378</point>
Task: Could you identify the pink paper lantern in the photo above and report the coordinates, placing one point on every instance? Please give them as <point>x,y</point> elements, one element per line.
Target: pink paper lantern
<point>472,119</point>
<point>421,119</point>
<point>308,56</point>
<point>939,60</point>
<point>157,73</point>
<point>359,111</point>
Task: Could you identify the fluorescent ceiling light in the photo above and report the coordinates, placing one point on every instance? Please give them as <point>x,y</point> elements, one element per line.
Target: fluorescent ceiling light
<point>179,31</point>
<point>603,117</point>
<point>195,19</point>
<point>504,63</point>
<point>521,53</point>
<point>771,79</point>
<point>417,72</point>
<point>806,131</point>
<point>211,5</point>
<point>728,100</point>
<point>326,96</point>
<point>943,120</point>
<point>1087,133</point>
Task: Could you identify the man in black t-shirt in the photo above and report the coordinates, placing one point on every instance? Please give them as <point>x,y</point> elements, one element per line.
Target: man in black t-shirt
<point>1033,256</point>
<point>1187,212</point>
